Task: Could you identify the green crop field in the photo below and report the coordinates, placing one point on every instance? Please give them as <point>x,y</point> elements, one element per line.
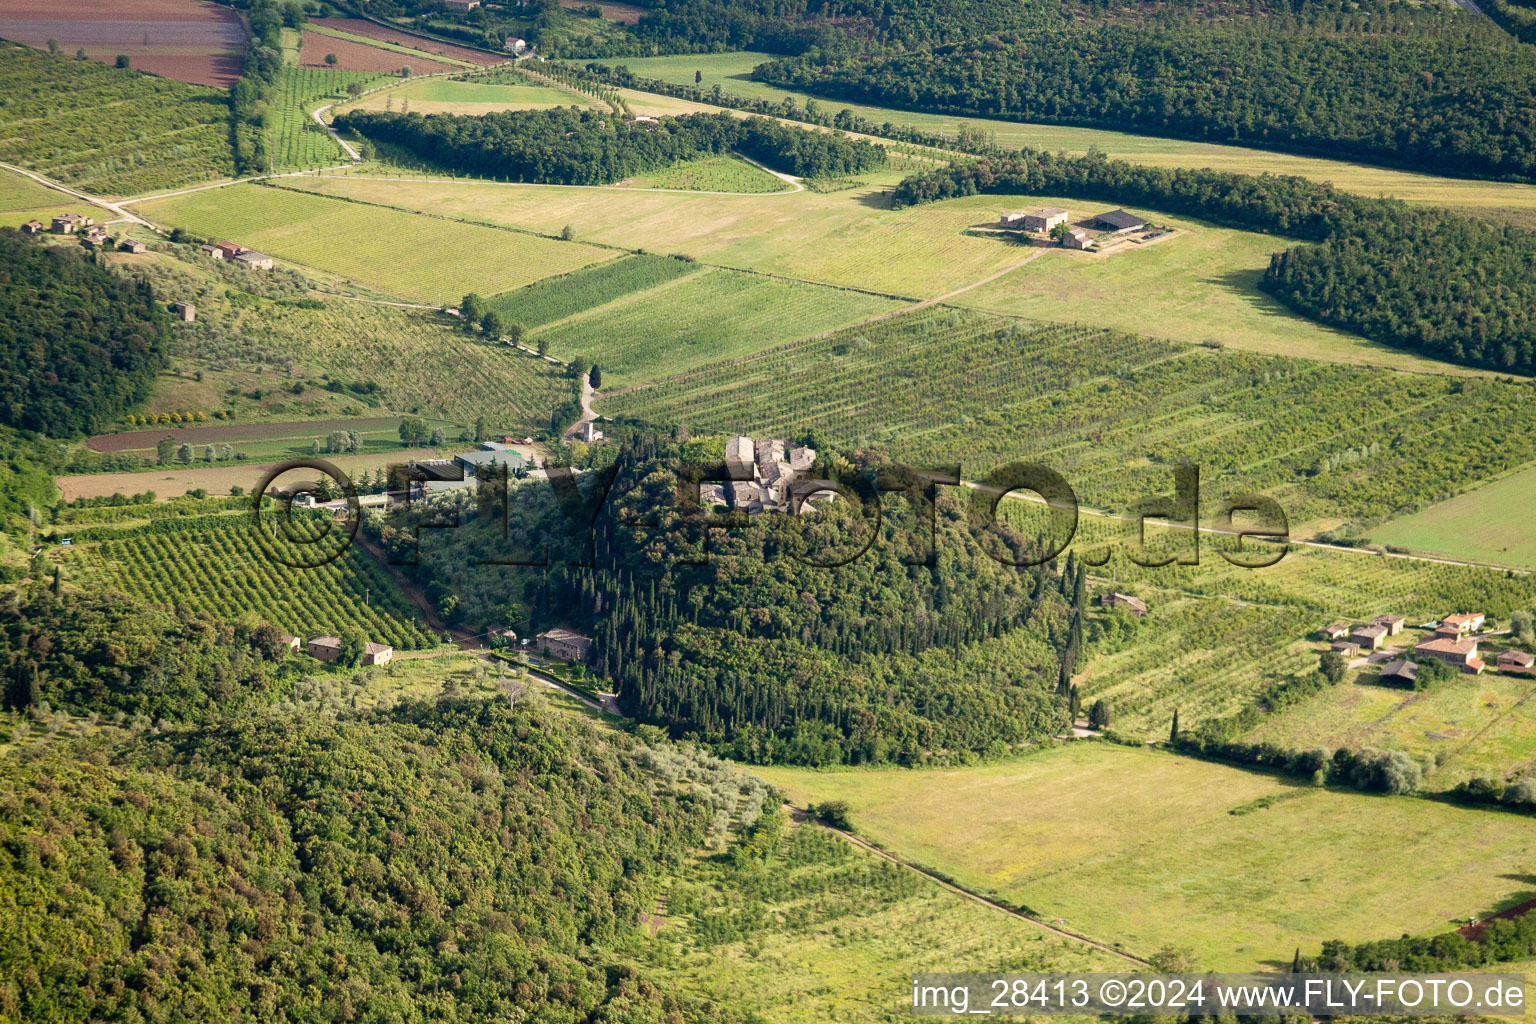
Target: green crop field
<point>215,564</point>
<point>293,137</point>
<point>418,359</point>
<point>829,932</point>
<point>712,174</point>
<point>1140,847</point>
<point>1490,523</point>
<point>555,298</point>
<point>842,238</point>
<point>1473,725</point>
<point>1113,412</point>
<point>701,318</point>
<point>421,258</point>
<point>451,96</point>
<point>18,192</point>
<point>732,71</point>
<point>109,131</point>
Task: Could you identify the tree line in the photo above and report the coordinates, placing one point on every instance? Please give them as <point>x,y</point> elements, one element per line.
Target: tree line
<point>570,146</point>
<point>1453,287</point>
<point>79,345</point>
<point>1440,102</point>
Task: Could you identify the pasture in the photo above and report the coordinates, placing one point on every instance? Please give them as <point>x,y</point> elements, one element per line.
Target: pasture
<point>421,258</point>
<point>829,932</point>
<point>731,71</point>
<point>1491,523</point>
<point>847,239</point>
<point>215,564</point>
<point>1473,725</point>
<point>715,314</point>
<point>108,131</point>
<point>1142,848</point>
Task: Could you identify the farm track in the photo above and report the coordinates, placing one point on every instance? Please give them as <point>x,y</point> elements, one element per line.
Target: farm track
<point>984,901</point>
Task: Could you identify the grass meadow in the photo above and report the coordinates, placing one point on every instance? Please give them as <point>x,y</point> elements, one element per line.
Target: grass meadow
<point>449,96</point>
<point>1142,848</point>
<point>711,315</point>
<point>731,71</point>
<point>421,258</point>
<point>1490,523</point>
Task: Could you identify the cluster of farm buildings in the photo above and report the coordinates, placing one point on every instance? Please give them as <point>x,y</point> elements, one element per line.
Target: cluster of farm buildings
<point>766,475</point>
<point>238,254</point>
<point>1452,641</point>
<point>1046,219</point>
<point>328,648</point>
<point>91,234</point>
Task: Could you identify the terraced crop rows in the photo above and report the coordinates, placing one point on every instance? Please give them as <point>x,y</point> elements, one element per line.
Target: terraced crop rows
<point>294,139</point>
<point>555,298</point>
<point>215,565</point>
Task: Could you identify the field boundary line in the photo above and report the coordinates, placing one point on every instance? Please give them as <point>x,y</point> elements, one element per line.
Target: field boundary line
<point>968,894</point>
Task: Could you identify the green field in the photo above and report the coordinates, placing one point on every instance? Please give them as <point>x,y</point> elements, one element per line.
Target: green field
<point>293,137</point>
<point>450,96</point>
<point>828,932</point>
<point>1139,847</point>
<point>555,298</point>
<point>1114,412</point>
<point>214,564</point>
<point>1491,523</point>
<point>421,258</point>
<point>715,314</point>
<point>1473,725</point>
<point>712,174</point>
<point>109,131</point>
<point>731,71</point>
<point>845,238</point>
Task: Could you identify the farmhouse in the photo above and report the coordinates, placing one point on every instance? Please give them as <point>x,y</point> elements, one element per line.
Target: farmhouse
<point>133,245</point>
<point>1516,661</point>
<point>293,642</point>
<point>95,241</point>
<point>1118,221</point>
<point>1076,238</point>
<point>325,648</point>
<point>588,432</point>
<point>516,46</point>
<point>1348,648</point>
<point>228,250</point>
<point>461,5</point>
<point>185,310</point>
<point>1035,220</point>
<point>32,227</point>
<point>1336,631</point>
<point>712,495</point>
<point>69,223</point>
<point>213,252</point>
<point>1394,623</point>
<point>1369,637</point>
<point>377,654</point>
<point>1463,622</point>
<point>1460,654</point>
<point>252,258</point>
<point>1137,606</point>
<point>564,643</point>
<point>1403,672</point>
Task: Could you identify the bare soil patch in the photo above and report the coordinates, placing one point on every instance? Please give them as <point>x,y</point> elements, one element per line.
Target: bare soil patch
<point>352,56</point>
<point>627,14</point>
<point>188,40</point>
<point>362,27</point>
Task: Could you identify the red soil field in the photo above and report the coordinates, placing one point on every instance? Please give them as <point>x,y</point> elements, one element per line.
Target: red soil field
<point>189,40</point>
<point>134,440</point>
<point>361,27</point>
<point>360,57</point>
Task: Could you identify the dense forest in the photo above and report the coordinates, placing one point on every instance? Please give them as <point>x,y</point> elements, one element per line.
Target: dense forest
<point>569,146</point>
<point>451,860</point>
<point>79,345</point>
<point>1454,287</point>
<point>1425,101</point>
<point>756,652</point>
